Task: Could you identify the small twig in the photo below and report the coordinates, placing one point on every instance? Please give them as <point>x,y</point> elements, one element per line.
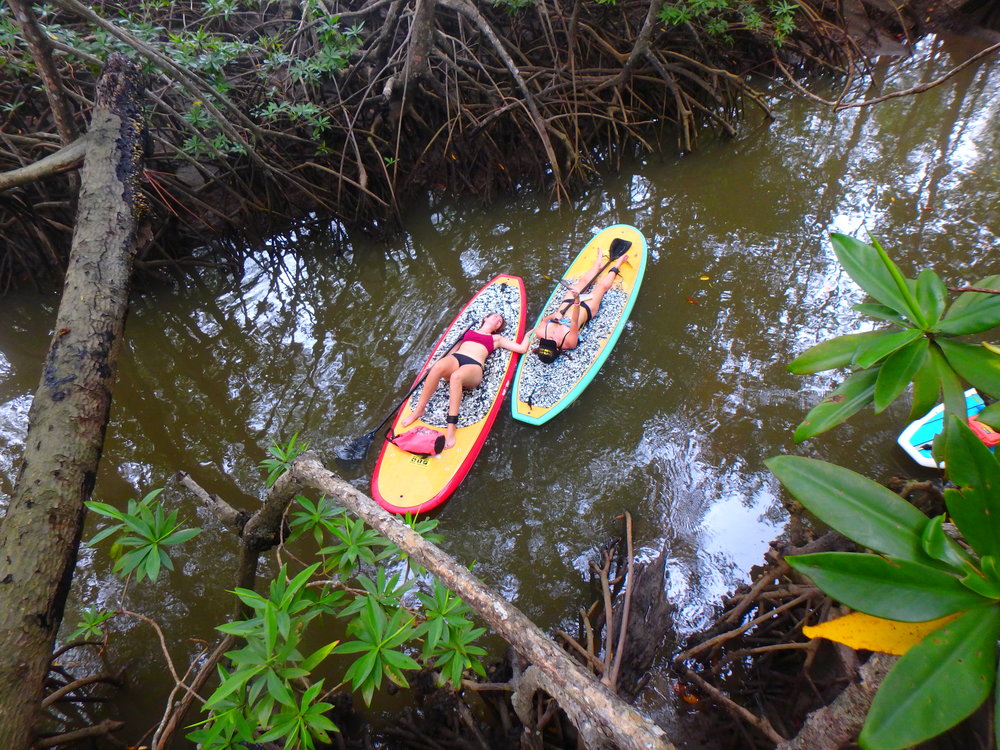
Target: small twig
<point>71,645</point>
<point>767,579</point>
<point>623,629</point>
<point>105,727</point>
<point>592,660</point>
<point>76,685</point>
<point>758,721</point>
<point>958,289</point>
<point>484,687</point>
<point>163,647</point>
<point>722,638</point>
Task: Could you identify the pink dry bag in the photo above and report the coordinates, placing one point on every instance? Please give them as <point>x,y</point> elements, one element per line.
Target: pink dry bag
<point>421,441</point>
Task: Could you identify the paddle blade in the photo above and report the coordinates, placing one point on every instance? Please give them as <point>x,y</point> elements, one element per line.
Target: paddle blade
<point>356,450</point>
<point>618,247</point>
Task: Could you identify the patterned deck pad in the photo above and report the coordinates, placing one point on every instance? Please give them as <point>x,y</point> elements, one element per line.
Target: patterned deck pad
<point>506,300</point>
<point>543,384</point>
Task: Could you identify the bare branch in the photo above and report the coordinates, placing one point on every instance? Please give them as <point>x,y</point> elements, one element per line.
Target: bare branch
<point>68,157</point>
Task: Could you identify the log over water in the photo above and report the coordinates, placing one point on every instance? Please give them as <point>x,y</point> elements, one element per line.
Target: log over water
<point>41,531</point>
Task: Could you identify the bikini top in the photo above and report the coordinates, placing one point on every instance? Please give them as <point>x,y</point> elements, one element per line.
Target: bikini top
<point>485,339</point>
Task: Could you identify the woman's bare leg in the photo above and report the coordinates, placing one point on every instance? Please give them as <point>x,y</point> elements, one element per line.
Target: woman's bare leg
<point>443,368</point>
<point>466,376</point>
<point>604,284</point>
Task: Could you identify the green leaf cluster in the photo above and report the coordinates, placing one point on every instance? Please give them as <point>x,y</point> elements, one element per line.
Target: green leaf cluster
<point>917,346</point>
<point>449,636</point>
<point>722,18</point>
<point>281,457</point>
<point>257,699</point>
<point>391,629</point>
<point>919,573</point>
<point>91,623</point>
<point>145,531</point>
<point>285,66</point>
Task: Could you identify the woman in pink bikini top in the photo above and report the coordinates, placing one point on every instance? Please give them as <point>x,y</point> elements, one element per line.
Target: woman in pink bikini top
<point>463,367</point>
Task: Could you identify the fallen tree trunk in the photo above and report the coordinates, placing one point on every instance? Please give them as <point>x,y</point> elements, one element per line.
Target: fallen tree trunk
<point>602,718</point>
<point>40,534</point>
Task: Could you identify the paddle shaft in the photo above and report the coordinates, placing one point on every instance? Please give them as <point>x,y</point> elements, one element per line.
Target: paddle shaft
<point>612,257</point>
<point>417,385</point>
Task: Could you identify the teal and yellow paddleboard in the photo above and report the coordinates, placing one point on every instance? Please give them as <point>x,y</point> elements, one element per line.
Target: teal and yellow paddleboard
<point>541,391</point>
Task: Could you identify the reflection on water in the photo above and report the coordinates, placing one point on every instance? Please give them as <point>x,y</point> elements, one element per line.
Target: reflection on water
<point>676,427</point>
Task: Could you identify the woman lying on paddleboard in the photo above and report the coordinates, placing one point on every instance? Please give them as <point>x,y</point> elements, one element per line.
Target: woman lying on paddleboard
<point>556,333</point>
<point>463,367</point>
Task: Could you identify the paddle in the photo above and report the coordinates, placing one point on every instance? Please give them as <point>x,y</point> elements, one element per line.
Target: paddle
<point>616,250</point>
<point>358,448</point>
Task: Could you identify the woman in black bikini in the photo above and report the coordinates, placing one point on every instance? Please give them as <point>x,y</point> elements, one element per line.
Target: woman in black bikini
<point>463,368</point>
<point>556,333</point>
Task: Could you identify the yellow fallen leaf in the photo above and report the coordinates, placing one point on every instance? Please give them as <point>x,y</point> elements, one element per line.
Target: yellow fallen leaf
<point>992,347</point>
<point>861,631</point>
<point>704,277</point>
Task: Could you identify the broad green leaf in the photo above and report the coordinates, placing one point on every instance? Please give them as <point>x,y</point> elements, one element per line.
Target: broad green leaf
<point>970,462</point>
<point>104,509</point>
<point>973,312</point>
<point>975,505</point>
<point>399,660</point>
<point>860,509</point>
<point>297,583</point>
<point>856,392</point>
<point>865,265</point>
<point>940,546</point>
<point>907,287</point>
<point>974,580</point>
<point>894,589</point>
<point>104,534</point>
<point>935,684</point>
<point>976,364</point>
<point>278,690</point>
<point>931,295</point>
<point>876,349</point>
<point>352,647</point>
<point>926,387</point>
<point>232,683</point>
<point>864,632</point>
<point>881,312</point>
<point>832,354</point>
<point>363,669</point>
<point>991,568</point>
<point>270,629</point>
<point>317,656</point>
<point>991,415</point>
<point>897,371</point>
<point>951,386</point>
<point>179,537</point>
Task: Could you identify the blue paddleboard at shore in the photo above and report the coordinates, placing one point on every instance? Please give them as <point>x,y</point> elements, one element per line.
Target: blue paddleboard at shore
<point>918,436</point>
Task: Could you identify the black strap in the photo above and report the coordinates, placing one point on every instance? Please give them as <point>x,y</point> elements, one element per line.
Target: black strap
<point>451,419</point>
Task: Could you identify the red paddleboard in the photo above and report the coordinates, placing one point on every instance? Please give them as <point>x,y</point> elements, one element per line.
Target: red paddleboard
<point>407,483</point>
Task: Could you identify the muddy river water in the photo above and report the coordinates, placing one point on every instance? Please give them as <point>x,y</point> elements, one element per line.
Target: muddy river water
<point>676,427</point>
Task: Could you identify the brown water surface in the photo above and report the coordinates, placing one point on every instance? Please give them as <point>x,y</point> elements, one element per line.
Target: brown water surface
<point>676,427</point>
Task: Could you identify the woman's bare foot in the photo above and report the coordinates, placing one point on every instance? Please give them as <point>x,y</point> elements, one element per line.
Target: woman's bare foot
<point>620,261</point>
<point>411,417</point>
<point>449,438</point>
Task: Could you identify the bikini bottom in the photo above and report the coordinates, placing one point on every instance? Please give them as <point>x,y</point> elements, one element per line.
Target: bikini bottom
<point>466,360</point>
<point>584,305</point>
